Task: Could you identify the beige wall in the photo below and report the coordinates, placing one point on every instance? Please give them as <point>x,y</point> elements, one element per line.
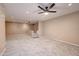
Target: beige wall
<point>2,31</point>
<point>64,28</point>
<point>17,28</point>
<point>40,29</point>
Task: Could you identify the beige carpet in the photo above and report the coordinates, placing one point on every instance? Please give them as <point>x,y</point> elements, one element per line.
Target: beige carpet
<point>24,45</point>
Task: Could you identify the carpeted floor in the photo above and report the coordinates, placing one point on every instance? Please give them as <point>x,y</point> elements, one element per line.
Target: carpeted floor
<point>24,45</point>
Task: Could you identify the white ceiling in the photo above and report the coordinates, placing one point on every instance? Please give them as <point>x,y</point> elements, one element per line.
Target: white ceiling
<point>23,12</point>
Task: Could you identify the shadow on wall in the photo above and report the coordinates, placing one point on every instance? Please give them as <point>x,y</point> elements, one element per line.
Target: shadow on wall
<point>34,27</point>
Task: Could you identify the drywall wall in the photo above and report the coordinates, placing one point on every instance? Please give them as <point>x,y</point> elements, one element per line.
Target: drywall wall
<point>2,31</point>
<point>17,28</point>
<point>64,28</point>
<point>40,28</point>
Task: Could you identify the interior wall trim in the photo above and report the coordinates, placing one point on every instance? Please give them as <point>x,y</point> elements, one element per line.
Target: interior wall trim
<point>62,41</point>
<point>67,42</point>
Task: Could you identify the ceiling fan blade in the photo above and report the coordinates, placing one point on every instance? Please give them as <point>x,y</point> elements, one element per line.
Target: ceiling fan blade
<point>41,8</point>
<point>52,6</point>
<point>52,11</point>
<point>40,12</point>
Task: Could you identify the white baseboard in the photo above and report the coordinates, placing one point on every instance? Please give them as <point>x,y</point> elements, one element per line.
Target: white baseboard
<point>64,42</point>
<point>68,42</point>
<point>3,52</point>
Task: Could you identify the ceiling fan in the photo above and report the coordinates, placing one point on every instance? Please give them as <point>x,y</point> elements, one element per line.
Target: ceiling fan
<point>47,9</point>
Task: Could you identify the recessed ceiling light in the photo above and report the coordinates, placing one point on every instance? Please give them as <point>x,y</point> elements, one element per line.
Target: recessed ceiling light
<point>46,13</point>
<point>27,12</point>
<point>70,4</point>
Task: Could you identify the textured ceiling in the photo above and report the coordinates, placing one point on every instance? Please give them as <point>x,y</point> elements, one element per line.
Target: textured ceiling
<point>23,12</point>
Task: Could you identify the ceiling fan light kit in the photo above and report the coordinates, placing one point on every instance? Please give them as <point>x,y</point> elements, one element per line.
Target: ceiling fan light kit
<point>46,13</point>
<point>70,4</point>
<point>46,9</point>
